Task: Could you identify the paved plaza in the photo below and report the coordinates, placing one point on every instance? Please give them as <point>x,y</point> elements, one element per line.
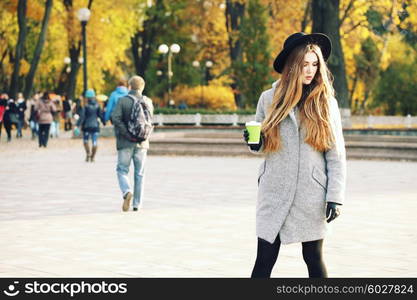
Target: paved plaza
<point>62,217</point>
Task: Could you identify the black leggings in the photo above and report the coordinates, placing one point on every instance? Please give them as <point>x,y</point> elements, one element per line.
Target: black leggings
<point>268,253</point>
<point>43,134</point>
<point>8,127</point>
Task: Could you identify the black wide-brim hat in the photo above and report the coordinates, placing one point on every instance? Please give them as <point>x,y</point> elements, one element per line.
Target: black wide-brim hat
<point>299,38</point>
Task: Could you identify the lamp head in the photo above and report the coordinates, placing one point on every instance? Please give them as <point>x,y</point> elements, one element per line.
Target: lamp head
<point>83,14</point>
<point>175,48</point>
<point>163,49</point>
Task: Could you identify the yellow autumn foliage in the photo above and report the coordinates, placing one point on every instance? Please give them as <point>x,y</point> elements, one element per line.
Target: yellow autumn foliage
<point>215,97</point>
<point>111,26</point>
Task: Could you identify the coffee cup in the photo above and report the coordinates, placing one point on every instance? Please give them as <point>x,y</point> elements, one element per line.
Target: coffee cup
<point>254,130</point>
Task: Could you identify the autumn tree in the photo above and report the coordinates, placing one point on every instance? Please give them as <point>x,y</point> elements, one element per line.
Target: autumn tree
<point>235,9</point>
<point>253,71</point>
<point>8,39</point>
<point>396,90</point>
<point>144,42</point>
<point>210,38</point>
<point>38,50</point>
<point>367,68</point>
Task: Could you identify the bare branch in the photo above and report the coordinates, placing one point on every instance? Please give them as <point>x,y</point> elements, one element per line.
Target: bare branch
<point>346,12</point>
<point>353,27</point>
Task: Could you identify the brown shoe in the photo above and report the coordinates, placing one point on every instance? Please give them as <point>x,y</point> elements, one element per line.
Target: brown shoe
<point>126,201</point>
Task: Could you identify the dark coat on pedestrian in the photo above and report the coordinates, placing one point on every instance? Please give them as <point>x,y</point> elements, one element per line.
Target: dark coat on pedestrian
<point>11,113</point>
<point>120,118</point>
<point>89,116</point>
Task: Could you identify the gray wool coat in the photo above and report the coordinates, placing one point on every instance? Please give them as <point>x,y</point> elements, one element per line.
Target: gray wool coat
<point>295,182</point>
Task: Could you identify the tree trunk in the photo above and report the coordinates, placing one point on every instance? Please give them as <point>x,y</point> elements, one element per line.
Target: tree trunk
<point>234,14</point>
<point>134,40</point>
<point>38,49</point>
<point>21,17</point>
<point>62,82</point>
<point>306,18</point>
<point>75,66</point>
<point>325,14</point>
<point>3,75</point>
<point>3,56</point>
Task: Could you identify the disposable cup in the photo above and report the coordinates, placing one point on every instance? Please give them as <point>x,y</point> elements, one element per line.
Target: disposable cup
<point>254,129</point>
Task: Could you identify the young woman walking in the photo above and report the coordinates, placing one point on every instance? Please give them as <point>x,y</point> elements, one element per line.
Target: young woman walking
<point>301,182</point>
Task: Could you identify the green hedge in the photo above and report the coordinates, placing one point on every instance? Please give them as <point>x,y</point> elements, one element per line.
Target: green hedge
<point>173,111</point>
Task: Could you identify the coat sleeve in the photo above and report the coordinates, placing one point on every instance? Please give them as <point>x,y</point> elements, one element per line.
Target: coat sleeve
<point>117,118</point>
<point>81,118</point>
<point>100,115</point>
<point>259,117</point>
<point>336,159</point>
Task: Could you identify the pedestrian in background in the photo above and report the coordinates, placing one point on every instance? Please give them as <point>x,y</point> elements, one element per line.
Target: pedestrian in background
<point>45,109</point>
<point>301,182</point>
<point>129,148</point>
<point>120,91</point>
<point>10,117</point>
<point>56,123</point>
<point>67,108</point>
<point>88,122</point>
<point>21,108</point>
<point>3,105</point>
<point>33,118</point>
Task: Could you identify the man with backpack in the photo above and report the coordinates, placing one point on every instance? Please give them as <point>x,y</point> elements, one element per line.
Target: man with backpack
<point>132,119</point>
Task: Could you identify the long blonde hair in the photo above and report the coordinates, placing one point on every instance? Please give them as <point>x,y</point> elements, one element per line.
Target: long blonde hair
<point>314,110</point>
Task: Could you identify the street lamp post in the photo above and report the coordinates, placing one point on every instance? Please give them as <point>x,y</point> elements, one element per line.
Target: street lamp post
<point>173,49</point>
<point>84,16</point>
<point>196,64</point>
<point>209,64</point>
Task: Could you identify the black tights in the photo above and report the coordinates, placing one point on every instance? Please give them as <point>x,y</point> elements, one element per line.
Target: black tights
<point>43,134</point>
<point>268,253</point>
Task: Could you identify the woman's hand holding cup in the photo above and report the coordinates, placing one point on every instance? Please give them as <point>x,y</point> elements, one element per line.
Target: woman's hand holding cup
<point>252,135</point>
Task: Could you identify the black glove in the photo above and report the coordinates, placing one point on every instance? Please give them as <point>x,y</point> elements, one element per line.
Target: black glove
<point>254,147</point>
<point>332,211</point>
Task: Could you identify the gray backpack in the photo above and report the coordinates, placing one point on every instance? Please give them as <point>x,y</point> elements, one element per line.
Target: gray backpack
<point>140,123</point>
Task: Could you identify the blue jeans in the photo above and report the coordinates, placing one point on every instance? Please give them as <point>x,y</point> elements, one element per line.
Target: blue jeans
<point>90,134</point>
<point>54,129</point>
<point>34,127</point>
<point>124,158</point>
<point>19,127</point>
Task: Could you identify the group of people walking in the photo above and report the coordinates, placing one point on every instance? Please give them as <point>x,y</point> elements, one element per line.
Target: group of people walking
<point>42,113</point>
